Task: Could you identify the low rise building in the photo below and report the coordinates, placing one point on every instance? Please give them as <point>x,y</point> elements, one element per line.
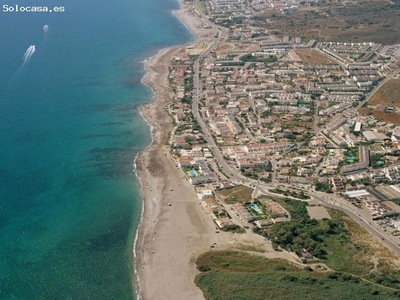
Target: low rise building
<point>375,137</point>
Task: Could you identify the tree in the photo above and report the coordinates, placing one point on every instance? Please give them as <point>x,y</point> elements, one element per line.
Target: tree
<point>322,186</point>
<point>188,139</point>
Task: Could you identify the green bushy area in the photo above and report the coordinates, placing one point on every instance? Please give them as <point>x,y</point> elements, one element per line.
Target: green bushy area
<point>232,275</point>
<point>326,239</point>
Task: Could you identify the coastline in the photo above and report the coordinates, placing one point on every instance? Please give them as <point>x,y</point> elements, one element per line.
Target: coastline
<point>168,238</point>
<point>140,165</point>
<point>174,229</point>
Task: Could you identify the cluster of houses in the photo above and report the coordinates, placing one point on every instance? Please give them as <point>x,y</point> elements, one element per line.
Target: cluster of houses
<point>277,115</point>
<point>263,214</point>
<point>211,206</point>
<point>197,170</point>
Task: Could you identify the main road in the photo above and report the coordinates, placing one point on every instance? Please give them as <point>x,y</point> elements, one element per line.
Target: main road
<point>227,170</point>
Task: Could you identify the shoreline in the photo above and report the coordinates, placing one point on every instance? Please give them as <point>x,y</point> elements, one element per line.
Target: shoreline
<point>137,164</point>
<point>158,178</point>
<point>174,229</point>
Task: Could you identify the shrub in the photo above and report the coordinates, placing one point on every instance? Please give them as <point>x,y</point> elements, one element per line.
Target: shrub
<point>204,268</point>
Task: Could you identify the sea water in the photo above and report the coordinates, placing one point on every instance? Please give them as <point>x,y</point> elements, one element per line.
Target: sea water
<point>69,132</point>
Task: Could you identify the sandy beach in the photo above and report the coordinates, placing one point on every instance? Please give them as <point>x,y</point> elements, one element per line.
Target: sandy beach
<point>170,237</point>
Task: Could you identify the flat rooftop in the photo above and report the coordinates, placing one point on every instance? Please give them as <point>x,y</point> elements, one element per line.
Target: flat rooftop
<point>355,194</point>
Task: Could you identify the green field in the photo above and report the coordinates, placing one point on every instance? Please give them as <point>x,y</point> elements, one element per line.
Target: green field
<point>230,275</point>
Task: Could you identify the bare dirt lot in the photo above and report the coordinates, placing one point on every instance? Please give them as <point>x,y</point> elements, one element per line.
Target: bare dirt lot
<point>238,193</point>
<point>229,47</point>
<point>359,20</point>
<point>387,95</point>
<point>309,56</point>
<point>318,212</point>
<point>393,117</point>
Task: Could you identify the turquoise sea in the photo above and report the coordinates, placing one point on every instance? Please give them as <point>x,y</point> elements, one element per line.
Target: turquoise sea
<point>69,133</point>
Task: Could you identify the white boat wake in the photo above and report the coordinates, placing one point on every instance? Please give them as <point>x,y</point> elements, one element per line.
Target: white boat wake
<point>26,58</point>
<point>28,54</point>
<point>30,51</point>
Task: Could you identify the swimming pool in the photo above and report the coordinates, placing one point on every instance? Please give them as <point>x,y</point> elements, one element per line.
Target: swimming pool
<point>192,173</point>
<point>255,208</point>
